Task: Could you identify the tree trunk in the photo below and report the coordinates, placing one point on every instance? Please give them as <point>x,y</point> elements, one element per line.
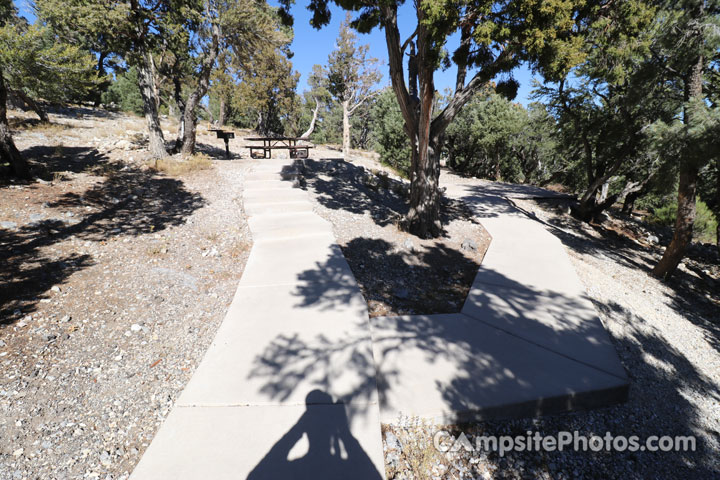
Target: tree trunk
<point>180,102</point>
<point>310,129</point>
<point>146,82</point>
<point>346,130</point>
<point>190,123</point>
<point>424,214</point>
<point>717,209</point>
<point>687,186</point>
<point>221,115</point>
<point>201,89</point>
<point>97,95</point>
<point>35,106</point>
<point>8,152</point>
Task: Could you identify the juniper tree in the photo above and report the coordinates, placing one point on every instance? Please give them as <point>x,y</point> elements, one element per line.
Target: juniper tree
<point>495,37</point>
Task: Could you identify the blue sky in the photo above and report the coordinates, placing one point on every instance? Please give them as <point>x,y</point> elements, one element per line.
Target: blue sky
<point>312,46</point>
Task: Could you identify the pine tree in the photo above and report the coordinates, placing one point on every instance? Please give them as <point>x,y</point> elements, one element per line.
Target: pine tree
<point>685,48</point>
<point>40,66</point>
<point>350,77</point>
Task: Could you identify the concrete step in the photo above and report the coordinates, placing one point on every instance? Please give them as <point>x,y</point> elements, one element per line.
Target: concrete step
<point>287,225</point>
<point>259,208</point>
<point>453,368</point>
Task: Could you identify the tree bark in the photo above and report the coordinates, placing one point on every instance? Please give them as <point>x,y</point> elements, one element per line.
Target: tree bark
<point>180,102</point>
<point>424,212</point>
<point>221,115</point>
<point>146,82</point>
<point>346,131</point>
<point>687,185</point>
<point>8,152</point>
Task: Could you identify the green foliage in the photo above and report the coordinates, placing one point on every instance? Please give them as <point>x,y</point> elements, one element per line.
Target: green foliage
<point>37,63</point>
<point>495,138</point>
<point>391,141</point>
<point>265,94</point>
<point>124,92</point>
<point>350,73</point>
<point>705,227</point>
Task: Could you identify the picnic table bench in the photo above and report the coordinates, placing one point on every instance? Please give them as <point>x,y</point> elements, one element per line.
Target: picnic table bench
<point>279,143</point>
<point>225,135</point>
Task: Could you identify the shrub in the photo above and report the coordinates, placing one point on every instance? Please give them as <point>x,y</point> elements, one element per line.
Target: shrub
<point>705,228</point>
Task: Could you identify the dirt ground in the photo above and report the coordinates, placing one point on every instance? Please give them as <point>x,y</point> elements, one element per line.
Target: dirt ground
<point>114,280</point>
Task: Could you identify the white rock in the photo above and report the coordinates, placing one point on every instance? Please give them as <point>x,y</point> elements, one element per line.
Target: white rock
<point>135,327</point>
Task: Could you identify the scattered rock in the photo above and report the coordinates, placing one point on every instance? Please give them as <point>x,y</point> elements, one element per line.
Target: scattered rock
<point>135,327</point>
<point>469,245</point>
<point>652,239</point>
<point>408,245</point>
<point>402,293</point>
<point>8,225</point>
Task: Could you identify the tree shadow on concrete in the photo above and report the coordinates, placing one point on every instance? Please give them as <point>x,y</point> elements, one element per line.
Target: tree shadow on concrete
<point>340,185</point>
<point>128,202</point>
<point>663,381</point>
<point>333,451</point>
<point>695,297</point>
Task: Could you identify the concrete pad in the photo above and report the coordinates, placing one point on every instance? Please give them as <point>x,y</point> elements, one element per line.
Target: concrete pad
<point>275,195</point>
<point>272,175</point>
<point>565,324</point>
<point>277,344</point>
<point>545,270</point>
<point>266,443</point>
<point>449,368</point>
<point>281,262</point>
<point>287,225</point>
<point>259,208</point>
<point>267,184</point>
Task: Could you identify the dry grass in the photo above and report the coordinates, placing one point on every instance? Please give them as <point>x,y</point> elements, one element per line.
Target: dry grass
<point>35,125</point>
<point>173,166</point>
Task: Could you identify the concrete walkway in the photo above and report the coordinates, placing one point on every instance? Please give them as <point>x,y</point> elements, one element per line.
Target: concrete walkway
<point>527,341</point>
<point>287,389</point>
<point>298,379</point>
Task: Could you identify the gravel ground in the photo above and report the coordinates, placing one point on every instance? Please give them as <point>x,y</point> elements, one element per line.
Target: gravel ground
<point>398,273</point>
<point>115,279</point>
<point>667,336</point>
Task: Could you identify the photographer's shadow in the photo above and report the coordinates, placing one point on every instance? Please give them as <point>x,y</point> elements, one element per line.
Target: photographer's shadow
<point>332,453</point>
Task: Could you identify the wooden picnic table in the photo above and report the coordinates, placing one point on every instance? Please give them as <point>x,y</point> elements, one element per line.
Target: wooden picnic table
<point>279,143</point>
